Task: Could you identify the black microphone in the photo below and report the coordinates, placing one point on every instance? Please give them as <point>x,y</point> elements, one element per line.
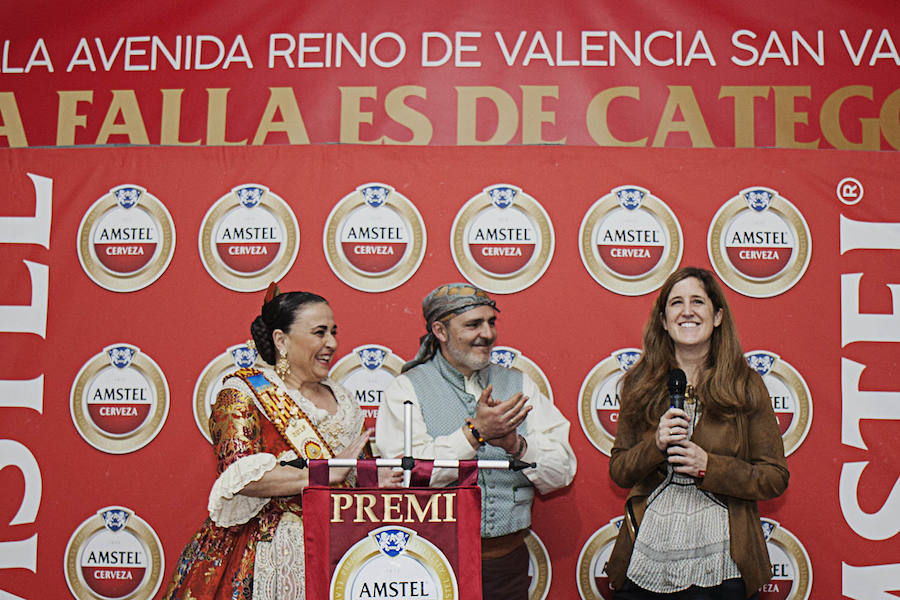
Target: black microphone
<point>677,384</point>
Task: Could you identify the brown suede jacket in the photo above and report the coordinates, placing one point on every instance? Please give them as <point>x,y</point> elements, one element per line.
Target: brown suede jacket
<point>746,464</point>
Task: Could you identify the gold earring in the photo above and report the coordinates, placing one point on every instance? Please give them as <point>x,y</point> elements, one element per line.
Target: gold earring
<point>282,368</point>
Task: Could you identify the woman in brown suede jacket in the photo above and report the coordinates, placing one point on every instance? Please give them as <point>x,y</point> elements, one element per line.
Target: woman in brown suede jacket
<point>692,527</point>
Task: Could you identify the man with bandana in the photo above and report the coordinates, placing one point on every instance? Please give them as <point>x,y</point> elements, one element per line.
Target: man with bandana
<point>465,407</point>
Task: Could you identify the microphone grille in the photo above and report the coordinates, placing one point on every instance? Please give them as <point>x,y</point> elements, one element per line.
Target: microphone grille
<point>677,381</point>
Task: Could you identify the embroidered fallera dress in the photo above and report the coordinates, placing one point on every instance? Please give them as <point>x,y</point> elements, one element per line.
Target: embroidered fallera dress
<point>253,547</point>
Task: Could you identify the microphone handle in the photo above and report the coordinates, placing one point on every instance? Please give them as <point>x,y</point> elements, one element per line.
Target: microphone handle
<point>676,401</point>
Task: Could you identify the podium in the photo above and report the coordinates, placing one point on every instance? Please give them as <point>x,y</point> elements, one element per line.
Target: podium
<point>401,543</point>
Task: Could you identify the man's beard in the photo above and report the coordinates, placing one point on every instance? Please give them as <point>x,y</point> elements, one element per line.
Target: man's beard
<point>467,357</point>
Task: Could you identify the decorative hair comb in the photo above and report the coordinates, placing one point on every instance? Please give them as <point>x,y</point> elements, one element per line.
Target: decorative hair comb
<point>271,292</point>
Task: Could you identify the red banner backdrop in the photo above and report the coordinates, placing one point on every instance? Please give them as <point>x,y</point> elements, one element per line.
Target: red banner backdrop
<point>472,72</point>
<point>74,488</point>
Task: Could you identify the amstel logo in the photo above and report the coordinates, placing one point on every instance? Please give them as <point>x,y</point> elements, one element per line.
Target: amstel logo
<point>394,562</point>
<point>759,243</point>
<point>790,396</point>
<point>630,241</point>
<point>113,555</point>
<point>511,358</point>
<point>374,238</point>
<point>366,373</point>
<point>791,568</point>
<point>502,240</point>
<point>593,582</point>
<point>598,400</point>
<point>209,384</point>
<point>249,238</point>
<point>120,400</point>
<point>126,239</point>
<point>539,569</point>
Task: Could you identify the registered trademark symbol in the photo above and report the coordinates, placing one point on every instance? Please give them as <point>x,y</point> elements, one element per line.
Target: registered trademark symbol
<point>849,190</point>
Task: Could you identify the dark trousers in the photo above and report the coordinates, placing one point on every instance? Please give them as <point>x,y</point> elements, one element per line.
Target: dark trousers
<point>730,589</point>
<point>506,577</point>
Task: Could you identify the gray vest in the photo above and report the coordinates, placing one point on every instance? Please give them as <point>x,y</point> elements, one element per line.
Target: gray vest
<point>506,496</point>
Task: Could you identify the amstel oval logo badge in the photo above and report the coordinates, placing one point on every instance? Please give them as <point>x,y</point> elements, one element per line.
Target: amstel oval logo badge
<point>374,238</point>
<point>394,561</point>
<point>209,384</point>
<point>119,400</point>
<point>791,567</point>
<point>502,240</point>
<point>366,372</point>
<point>790,396</point>
<point>113,555</point>
<point>593,582</point>
<point>126,239</point>
<point>759,243</point>
<point>539,569</point>
<point>598,400</point>
<point>630,241</point>
<point>511,358</point>
<point>249,238</point>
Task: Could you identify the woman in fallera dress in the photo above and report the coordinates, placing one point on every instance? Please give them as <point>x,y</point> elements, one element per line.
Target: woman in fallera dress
<point>251,546</point>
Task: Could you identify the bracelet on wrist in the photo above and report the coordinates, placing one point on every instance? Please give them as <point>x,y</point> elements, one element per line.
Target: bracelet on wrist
<point>475,433</point>
<point>521,449</point>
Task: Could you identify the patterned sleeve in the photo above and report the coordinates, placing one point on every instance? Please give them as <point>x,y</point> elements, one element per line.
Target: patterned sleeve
<point>235,427</point>
<point>241,458</point>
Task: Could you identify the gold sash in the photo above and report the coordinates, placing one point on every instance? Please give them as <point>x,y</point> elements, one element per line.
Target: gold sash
<point>289,419</point>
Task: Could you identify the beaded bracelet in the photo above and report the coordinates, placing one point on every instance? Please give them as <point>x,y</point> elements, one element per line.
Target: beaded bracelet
<point>475,433</point>
<point>521,450</point>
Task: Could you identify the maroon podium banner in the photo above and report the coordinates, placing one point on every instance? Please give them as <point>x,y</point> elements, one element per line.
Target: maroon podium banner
<point>394,543</point>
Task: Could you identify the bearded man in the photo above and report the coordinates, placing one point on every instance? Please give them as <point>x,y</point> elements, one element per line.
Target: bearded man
<point>465,407</point>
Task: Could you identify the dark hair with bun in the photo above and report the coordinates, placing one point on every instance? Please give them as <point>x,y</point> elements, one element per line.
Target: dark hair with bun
<point>278,313</point>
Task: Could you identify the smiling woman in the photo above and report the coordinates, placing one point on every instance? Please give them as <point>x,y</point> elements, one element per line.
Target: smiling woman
<point>692,526</point>
<point>305,351</point>
<point>251,546</point>
<point>690,319</point>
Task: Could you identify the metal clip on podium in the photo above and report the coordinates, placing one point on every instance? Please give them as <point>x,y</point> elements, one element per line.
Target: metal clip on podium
<point>408,462</point>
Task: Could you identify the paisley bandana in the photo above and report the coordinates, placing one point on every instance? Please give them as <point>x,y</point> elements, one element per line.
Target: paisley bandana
<point>442,304</point>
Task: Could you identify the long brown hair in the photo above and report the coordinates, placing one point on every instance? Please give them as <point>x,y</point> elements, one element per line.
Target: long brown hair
<point>724,384</point>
